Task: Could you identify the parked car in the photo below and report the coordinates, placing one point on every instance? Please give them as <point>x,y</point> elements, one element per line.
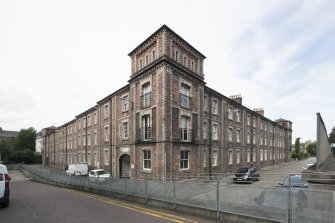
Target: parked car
<point>246,174</point>
<point>77,169</point>
<point>4,186</point>
<point>98,175</point>
<point>296,181</point>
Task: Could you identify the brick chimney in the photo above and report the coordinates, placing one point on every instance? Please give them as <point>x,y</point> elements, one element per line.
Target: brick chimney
<point>259,111</point>
<point>236,98</point>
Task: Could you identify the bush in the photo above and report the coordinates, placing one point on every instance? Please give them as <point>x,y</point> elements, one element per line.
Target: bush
<point>26,156</point>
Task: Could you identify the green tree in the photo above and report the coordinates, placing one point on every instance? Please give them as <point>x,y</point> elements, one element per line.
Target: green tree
<point>6,148</point>
<point>332,136</point>
<point>22,149</point>
<point>297,145</point>
<point>297,154</point>
<point>311,149</point>
<point>25,139</point>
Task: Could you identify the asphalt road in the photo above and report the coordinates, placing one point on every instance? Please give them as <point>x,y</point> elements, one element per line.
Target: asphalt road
<point>38,203</point>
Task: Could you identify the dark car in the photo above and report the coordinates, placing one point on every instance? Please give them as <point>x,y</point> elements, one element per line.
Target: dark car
<point>246,174</point>
<point>296,181</point>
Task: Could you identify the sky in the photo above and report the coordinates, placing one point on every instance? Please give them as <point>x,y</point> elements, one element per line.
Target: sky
<point>58,58</point>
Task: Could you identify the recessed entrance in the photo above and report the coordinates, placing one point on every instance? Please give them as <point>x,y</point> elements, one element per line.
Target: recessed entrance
<point>124,167</point>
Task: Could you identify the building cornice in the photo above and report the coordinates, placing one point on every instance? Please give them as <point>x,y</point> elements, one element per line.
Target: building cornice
<point>160,62</point>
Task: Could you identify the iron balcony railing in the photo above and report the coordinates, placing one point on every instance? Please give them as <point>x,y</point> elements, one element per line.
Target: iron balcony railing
<point>146,100</point>
<point>185,101</point>
<point>144,134</point>
<point>186,135</point>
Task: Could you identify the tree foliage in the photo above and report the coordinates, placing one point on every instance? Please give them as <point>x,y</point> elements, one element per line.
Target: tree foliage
<point>297,145</point>
<point>332,136</point>
<point>311,149</point>
<point>22,149</point>
<point>297,154</point>
<point>25,139</point>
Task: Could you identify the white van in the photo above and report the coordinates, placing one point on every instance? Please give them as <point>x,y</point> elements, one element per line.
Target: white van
<point>4,186</point>
<point>77,169</point>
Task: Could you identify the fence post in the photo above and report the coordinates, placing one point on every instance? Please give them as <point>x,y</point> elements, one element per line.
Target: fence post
<point>174,190</point>
<point>289,210</point>
<point>217,197</point>
<point>125,187</point>
<point>146,188</point>
<point>110,182</point>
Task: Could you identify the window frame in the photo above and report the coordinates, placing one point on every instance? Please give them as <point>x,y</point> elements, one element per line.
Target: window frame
<point>146,159</point>
<point>184,160</point>
<point>125,130</point>
<point>215,157</point>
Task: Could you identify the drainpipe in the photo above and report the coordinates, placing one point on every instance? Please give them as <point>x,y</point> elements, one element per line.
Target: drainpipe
<point>46,150</point>
<point>273,146</point>
<point>252,141</point>
<point>65,144</point>
<point>210,136</point>
<point>54,149</point>
<point>86,137</point>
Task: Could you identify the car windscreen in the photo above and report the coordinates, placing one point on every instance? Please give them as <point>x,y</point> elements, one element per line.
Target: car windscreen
<point>101,172</point>
<point>297,180</point>
<point>242,170</point>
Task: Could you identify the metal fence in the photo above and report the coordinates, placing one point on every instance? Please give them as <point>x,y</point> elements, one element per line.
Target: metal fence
<point>261,200</point>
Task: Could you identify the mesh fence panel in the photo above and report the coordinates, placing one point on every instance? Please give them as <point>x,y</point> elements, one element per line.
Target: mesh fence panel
<point>312,206</point>
<point>197,194</point>
<point>264,199</point>
<point>160,190</point>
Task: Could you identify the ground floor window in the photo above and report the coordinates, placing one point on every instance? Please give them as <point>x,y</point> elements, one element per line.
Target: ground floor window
<point>230,157</point>
<point>184,159</point>
<point>106,156</point>
<point>89,158</point>
<point>248,156</point>
<point>238,157</point>
<point>266,155</point>
<point>254,155</point>
<point>146,159</point>
<point>214,157</point>
<point>96,162</point>
<point>205,158</point>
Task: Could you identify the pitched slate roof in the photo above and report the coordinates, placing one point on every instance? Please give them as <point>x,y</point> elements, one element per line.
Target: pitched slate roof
<point>7,134</point>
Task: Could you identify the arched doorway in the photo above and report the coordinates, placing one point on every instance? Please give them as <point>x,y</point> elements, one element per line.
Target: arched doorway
<point>124,166</point>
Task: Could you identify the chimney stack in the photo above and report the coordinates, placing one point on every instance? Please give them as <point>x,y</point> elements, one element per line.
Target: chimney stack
<point>236,98</point>
<point>259,111</point>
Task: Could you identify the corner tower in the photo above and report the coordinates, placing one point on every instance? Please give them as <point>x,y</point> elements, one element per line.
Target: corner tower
<point>166,85</point>
<point>166,45</point>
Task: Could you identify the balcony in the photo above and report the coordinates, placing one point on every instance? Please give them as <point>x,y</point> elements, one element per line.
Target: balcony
<point>185,101</point>
<point>144,135</point>
<point>185,135</point>
<point>146,100</point>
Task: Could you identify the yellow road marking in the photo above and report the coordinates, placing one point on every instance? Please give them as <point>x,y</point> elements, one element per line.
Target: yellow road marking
<point>158,214</point>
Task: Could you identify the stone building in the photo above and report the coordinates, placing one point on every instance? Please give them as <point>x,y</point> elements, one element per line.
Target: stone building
<point>166,121</point>
<point>7,135</point>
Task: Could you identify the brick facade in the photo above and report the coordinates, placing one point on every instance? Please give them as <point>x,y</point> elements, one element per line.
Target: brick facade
<point>167,122</point>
